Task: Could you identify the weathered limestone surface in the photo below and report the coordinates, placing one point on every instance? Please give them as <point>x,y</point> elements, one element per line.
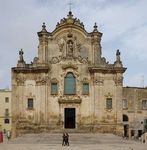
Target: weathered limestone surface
<point>69,48</point>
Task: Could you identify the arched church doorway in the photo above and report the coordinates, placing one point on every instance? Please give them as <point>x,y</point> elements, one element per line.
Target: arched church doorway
<point>126,125</point>
<point>69,118</point>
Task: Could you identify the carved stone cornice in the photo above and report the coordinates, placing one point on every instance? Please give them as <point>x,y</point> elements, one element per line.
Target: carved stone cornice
<point>30,69</point>
<point>106,69</point>
<point>69,100</point>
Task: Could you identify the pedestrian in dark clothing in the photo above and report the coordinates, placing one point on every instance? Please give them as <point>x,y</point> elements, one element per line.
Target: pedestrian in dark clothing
<point>63,141</point>
<point>66,139</point>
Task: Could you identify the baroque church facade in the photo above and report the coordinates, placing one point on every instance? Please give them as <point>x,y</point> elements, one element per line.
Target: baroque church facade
<point>69,85</point>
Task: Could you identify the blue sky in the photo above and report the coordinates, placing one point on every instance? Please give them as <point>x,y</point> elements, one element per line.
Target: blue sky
<point>122,22</point>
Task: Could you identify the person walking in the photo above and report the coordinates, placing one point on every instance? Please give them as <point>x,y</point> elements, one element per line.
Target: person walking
<point>63,140</point>
<point>66,139</point>
<point>8,135</point>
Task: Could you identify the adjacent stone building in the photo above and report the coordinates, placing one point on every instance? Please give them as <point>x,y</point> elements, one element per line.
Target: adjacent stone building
<point>69,85</point>
<point>5,110</point>
<point>134,111</point>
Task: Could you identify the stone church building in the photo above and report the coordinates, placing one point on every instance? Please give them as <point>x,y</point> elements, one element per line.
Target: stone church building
<point>70,86</point>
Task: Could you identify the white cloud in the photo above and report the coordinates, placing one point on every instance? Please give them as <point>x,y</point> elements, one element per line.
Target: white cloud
<point>124,24</point>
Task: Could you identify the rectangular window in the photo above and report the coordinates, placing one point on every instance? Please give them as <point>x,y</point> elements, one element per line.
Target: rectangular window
<point>86,88</point>
<point>125,104</point>
<point>6,121</point>
<point>144,104</point>
<point>54,88</point>
<point>145,121</point>
<point>145,125</point>
<point>6,99</point>
<point>7,112</point>
<point>109,103</point>
<point>30,103</point>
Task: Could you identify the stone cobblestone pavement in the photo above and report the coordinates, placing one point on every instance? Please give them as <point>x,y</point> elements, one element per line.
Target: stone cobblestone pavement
<point>77,141</point>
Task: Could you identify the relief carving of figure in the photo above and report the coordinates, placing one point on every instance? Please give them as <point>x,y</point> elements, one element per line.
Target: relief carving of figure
<point>70,48</point>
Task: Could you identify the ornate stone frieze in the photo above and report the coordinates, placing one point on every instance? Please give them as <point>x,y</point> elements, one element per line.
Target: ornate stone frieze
<point>118,80</point>
<point>108,95</point>
<point>83,60</point>
<point>69,99</point>
<point>20,79</point>
<point>99,81</point>
<point>55,60</point>
<point>69,65</point>
<point>41,80</point>
<point>85,80</point>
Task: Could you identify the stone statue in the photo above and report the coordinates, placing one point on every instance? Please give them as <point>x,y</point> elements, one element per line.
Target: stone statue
<point>21,56</point>
<point>70,48</point>
<point>118,55</point>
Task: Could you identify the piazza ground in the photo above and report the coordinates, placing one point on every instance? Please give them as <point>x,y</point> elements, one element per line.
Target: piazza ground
<point>78,141</point>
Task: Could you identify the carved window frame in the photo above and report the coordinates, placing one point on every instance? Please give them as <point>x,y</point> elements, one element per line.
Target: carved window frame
<point>65,88</point>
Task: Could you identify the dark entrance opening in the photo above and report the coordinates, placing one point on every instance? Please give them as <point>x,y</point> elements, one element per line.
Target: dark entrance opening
<point>69,118</point>
<point>126,130</point>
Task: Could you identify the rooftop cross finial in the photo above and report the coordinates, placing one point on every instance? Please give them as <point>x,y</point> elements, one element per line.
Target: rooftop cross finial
<point>95,28</point>
<point>70,4</point>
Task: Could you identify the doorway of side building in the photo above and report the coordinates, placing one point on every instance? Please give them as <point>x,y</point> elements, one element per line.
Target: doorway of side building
<point>69,118</point>
<point>126,125</point>
<point>126,130</point>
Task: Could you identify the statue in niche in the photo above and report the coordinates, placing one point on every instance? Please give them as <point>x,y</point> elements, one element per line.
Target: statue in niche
<point>70,48</point>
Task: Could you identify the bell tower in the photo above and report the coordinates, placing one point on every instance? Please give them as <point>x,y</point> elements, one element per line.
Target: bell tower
<point>43,44</point>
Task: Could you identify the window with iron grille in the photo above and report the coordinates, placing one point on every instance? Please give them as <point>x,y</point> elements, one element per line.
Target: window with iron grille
<point>109,103</point>
<point>30,103</point>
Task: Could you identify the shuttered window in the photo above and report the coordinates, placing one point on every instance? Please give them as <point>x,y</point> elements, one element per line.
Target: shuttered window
<point>54,88</point>
<point>85,88</point>
<point>144,104</point>
<point>125,103</point>
<point>69,84</point>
